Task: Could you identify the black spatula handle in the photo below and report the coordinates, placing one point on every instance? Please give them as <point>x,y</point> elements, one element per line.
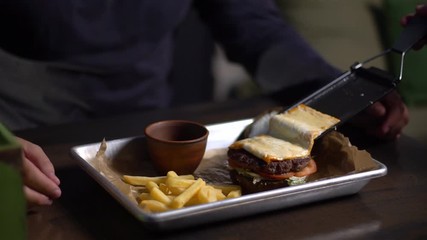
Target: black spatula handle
<point>413,32</point>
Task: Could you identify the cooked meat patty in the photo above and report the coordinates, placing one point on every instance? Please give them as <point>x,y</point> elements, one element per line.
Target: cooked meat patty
<point>243,159</point>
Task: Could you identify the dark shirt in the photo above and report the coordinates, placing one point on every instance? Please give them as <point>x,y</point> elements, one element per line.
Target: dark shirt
<point>106,57</point>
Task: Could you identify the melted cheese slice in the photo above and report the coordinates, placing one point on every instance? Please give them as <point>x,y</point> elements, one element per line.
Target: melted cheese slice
<point>270,148</point>
<point>291,135</point>
<point>300,125</point>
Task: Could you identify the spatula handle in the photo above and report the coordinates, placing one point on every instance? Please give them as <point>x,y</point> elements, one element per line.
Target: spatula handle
<point>413,32</point>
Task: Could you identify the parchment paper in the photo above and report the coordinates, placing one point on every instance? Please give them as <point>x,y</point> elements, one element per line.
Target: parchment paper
<point>334,156</point>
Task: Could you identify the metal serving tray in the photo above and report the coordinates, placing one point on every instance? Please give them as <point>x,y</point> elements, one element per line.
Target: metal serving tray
<point>131,152</point>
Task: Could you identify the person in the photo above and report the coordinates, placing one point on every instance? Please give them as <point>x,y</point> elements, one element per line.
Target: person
<point>420,11</point>
<point>94,59</point>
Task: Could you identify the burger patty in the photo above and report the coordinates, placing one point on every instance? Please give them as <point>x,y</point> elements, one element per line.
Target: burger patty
<point>246,160</point>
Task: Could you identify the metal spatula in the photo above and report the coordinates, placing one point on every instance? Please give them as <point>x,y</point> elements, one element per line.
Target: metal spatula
<point>360,87</point>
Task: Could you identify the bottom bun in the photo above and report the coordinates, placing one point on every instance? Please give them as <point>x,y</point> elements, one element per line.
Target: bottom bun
<point>250,184</point>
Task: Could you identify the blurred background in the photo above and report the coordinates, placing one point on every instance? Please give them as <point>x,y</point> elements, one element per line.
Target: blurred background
<point>344,32</point>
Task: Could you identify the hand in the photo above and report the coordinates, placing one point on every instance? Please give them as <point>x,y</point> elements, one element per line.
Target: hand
<point>40,182</point>
<point>420,10</point>
<point>386,118</point>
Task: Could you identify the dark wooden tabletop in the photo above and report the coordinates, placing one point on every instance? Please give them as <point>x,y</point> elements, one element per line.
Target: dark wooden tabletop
<point>389,207</point>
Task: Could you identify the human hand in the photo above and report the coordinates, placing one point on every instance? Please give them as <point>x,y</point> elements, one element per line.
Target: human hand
<point>421,11</point>
<point>40,182</point>
<point>385,119</point>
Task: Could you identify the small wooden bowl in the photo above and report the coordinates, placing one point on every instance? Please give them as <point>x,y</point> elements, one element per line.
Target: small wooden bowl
<point>176,145</point>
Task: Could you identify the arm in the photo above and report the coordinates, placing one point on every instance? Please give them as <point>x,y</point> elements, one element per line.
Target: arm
<point>253,33</point>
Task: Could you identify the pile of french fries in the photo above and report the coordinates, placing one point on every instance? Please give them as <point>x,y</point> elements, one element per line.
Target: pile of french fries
<point>175,191</point>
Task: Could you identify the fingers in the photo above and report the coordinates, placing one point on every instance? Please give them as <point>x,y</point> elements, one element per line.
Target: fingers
<point>41,185</point>
<point>385,119</point>
<point>404,21</point>
<point>34,198</point>
<point>370,118</point>
<point>36,180</point>
<point>377,110</point>
<point>397,116</point>
<point>420,10</point>
<point>394,119</point>
<point>36,155</point>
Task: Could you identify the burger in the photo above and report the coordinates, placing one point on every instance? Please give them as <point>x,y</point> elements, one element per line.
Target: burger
<point>280,156</point>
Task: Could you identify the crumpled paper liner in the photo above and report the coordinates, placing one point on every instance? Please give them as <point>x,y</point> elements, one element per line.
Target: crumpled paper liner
<point>104,166</point>
<point>336,156</point>
<point>333,153</point>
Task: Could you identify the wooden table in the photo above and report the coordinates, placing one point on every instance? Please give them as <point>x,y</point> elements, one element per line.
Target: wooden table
<point>390,207</point>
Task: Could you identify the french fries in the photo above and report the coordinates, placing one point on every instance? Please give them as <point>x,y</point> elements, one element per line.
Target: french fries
<point>142,180</point>
<point>175,191</point>
<point>180,200</point>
